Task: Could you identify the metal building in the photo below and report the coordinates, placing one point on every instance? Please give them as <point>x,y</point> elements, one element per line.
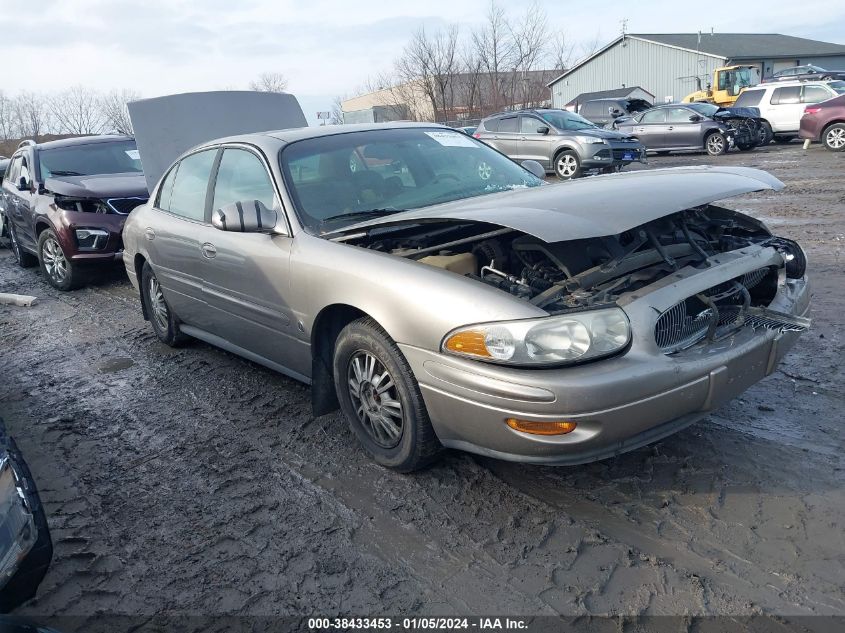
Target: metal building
<point>668,64</point>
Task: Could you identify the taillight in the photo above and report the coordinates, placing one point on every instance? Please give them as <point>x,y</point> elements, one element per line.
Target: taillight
<point>812,110</point>
<point>476,135</point>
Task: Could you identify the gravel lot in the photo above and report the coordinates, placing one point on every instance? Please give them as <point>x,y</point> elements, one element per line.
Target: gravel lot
<point>193,482</point>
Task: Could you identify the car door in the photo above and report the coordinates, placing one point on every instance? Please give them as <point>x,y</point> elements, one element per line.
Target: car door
<point>680,130</point>
<point>651,129</point>
<point>785,109</point>
<point>246,276</point>
<point>180,212</point>
<point>22,201</point>
<point>506,138</point>
<point>532,144</point>
<point>10,194</point>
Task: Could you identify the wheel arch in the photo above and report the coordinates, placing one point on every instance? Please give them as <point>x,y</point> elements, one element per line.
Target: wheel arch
<point>327,326</point>
<point>138,265</point>
<point>829,124</point>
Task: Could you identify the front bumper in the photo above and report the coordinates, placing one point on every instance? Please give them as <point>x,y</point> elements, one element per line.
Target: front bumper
<point>619,404</point>
<point>612,155</point>
<point>111,250</point>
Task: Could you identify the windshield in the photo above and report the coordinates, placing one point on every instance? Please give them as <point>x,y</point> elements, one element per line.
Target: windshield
<point>837,86</point>
<point>115,157</point>
<point>707,109</point>
<point>563,120</point>
<point>342,179</point>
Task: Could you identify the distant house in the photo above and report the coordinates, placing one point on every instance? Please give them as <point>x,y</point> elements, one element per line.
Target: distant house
<point>618,93</point>
<point>669,65</point>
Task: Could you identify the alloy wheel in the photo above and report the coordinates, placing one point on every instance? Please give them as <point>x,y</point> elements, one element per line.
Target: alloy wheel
<point>54,260</point>
<point>715,144</point>
<point>836,138</point>
<point>567,165</point>
<point>158,305</point>
<point>375,399</point>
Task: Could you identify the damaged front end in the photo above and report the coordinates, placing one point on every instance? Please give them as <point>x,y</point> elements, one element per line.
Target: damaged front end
<point>704,272</point>
<point>746,124</point>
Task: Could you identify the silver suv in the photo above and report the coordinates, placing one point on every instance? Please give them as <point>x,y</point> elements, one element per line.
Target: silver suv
<point>563,142</point>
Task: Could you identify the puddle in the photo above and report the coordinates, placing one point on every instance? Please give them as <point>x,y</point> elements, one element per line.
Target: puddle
<point>115,364</point>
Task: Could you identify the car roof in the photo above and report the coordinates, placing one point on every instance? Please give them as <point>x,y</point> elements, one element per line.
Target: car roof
<point>272,137</point>
<point>790,84</point>
<point>83,140</point>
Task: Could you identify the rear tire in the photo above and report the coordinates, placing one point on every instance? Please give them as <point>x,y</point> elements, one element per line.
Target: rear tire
<point>716,144</point>
<point>381,399</point>
<point>58,270</point>
<point>164,321</point>
<point>24,259</point>
<point>567,165</point>
<point>833,138</point>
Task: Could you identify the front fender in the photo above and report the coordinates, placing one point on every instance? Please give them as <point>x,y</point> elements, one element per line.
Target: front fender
<point>416,304</point>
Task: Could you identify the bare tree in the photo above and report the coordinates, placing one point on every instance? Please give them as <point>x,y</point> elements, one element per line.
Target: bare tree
<point>114,110</point>
<point>77,111</point>
<point>529,39</point>
<point>30,114</point>
<point>561,52</point>
<point>336,116</point>
<point>495,48</point>
<point>590,46</point>
<point>269,82</point>
<point>8,124</point>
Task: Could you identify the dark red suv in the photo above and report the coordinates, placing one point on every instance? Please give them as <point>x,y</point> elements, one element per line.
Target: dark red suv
<point>65,203</point>
<point>825,122</point>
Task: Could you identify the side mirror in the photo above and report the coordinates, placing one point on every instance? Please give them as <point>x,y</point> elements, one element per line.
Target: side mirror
<point>248,216</point>
<point>534,167</point>
<point>694,118</point>
<point>23,185</point>
<point>543,129</point>
<point>616,113</point>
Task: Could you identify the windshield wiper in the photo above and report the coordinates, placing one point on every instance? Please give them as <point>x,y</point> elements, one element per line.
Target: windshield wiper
<point>65,172</point>
<point>362,215</point>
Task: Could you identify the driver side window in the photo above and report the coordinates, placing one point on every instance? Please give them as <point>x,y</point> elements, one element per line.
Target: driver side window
<point>654,116</point>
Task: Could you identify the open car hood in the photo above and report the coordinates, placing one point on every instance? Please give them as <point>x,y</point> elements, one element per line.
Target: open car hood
<point>593,207</point>
<point>166,127</point>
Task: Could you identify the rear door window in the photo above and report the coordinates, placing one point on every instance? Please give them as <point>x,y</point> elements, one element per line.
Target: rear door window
<point>787,95</point>
<point>654,116</point>
<point>814,94</point>
<point>187,197</point>
<point>749,98</point>
<point>509,125</point>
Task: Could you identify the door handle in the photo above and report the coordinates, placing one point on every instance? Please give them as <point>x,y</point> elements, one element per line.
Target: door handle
<point>670,128</point>
<point>208,250</point>
<point>149,234</point>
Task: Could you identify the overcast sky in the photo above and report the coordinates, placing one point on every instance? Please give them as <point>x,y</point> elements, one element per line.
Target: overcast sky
<point>324,47</point>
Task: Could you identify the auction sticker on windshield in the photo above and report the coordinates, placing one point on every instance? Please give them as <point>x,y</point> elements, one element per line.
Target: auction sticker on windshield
<point>452,139</point>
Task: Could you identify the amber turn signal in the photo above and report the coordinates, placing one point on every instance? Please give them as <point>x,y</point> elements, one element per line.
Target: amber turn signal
<point>468,342</point>
<point>541,428</point>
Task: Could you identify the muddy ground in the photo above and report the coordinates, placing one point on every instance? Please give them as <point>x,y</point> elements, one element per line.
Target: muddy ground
<point>191,481</point>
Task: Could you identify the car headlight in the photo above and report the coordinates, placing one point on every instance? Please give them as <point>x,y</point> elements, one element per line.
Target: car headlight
<point>553,340</point>
<point>590,140</point>
<point>91,238</point>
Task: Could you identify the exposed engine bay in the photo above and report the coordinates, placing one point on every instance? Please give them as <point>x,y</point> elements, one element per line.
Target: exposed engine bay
<point>599,271</point>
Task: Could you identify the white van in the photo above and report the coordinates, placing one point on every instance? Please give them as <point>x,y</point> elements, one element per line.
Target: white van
<point>782,103</point>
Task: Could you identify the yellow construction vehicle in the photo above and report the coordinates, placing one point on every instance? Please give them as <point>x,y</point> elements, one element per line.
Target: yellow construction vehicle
<point>729,82</point>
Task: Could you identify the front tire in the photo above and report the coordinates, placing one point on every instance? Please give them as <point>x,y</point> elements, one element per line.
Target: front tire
<point>60,272</point>
<point>716,144</point>
<point>381,400</point>
<point>24,259</point>
<point>833,137</point>
<point>766,133</point>
<point>164,322</point>
<point>567,165</point>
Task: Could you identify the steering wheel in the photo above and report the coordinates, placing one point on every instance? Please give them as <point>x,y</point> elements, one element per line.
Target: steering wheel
<point>440,177</point>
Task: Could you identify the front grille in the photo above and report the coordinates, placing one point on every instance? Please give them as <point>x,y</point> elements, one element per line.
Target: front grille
<point>618,154</point>
<point>124,205</point>
<point>719,311</point>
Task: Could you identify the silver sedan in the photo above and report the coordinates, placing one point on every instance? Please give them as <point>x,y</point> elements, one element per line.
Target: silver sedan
<point>440,294</point>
